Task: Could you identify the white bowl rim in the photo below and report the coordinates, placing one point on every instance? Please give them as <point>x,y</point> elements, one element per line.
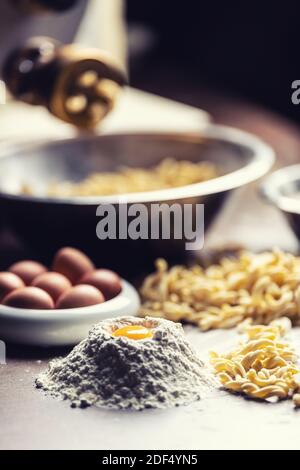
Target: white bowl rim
<point>262,160</point>
<point>128,295</point>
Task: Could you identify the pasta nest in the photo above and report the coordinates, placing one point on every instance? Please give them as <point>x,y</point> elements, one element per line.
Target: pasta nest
<point>262,287</point>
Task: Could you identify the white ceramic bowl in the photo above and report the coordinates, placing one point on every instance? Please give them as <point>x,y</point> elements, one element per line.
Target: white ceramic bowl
<point>63,327</point>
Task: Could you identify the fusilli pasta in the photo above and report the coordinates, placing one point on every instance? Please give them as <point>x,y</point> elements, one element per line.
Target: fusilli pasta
<point>263,367</point>
<point>262,287</point>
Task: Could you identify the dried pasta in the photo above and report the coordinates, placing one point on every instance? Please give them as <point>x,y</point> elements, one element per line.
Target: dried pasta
<point>262,367</point>
<point>169,173</point>
<point>262,287</point>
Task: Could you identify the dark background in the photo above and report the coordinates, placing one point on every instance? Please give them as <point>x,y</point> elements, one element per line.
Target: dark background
<point>236,59</point>
<point>245,49</point>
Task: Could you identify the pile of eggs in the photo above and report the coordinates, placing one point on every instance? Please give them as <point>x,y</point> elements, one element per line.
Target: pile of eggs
<point>73,282</point>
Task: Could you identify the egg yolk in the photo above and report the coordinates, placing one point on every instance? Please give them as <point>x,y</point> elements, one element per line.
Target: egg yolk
<point>134,332</point>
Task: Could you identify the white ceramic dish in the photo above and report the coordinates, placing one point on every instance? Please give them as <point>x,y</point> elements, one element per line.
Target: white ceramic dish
<point>63,327</point>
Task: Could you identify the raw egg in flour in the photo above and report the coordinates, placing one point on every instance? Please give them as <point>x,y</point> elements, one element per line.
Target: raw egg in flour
<point>134,332</point>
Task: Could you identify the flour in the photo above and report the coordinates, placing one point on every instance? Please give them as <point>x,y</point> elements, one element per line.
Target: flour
<point>121,373</point>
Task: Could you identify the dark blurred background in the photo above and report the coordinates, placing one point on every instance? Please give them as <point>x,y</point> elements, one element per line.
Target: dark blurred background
<point>235,59</point>
<point>249,50</point>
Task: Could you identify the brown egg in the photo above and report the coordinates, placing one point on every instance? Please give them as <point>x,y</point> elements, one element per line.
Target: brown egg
<point>72,263</point>
<point>29,297</point>
<point>8,283</point>
<point>80,296</point>
<point>53,283</point>
<point>27,270</point>
<point>108,282</point>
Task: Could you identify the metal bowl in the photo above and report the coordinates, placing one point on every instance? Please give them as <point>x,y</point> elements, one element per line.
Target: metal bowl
<point>282,189</point>
<point>48,223</point>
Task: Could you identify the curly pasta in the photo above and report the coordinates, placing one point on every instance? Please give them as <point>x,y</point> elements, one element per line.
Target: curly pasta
<point>169,173</point>
<point>264,367</point>
<point>262,287</point>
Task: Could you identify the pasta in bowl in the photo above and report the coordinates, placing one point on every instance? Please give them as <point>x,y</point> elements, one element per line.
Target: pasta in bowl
<point>68,217</point>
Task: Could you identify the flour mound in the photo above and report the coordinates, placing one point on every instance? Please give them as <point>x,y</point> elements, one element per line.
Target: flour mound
<point>121,373</point>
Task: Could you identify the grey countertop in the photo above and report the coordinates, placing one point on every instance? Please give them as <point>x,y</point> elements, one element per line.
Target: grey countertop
<point>31,420</point>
